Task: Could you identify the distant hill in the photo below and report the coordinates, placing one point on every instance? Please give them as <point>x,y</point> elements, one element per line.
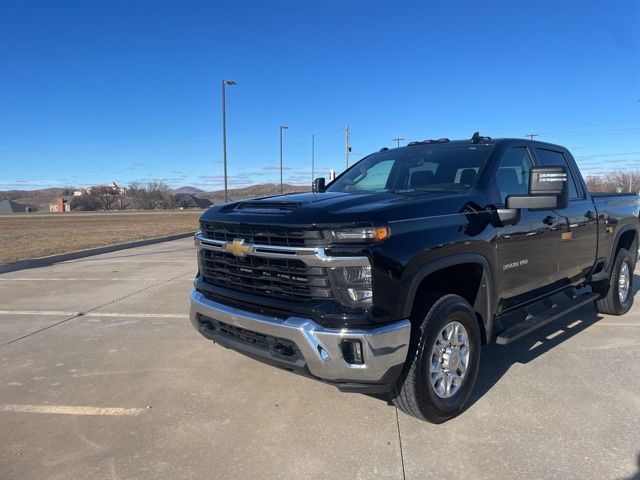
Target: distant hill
<point>188,189</point>
<point>261,190</point>
<point>24,194</point>
<point>39,200</point>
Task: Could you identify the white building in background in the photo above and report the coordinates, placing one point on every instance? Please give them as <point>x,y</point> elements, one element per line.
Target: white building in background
<point>113,188</point>
<point>117,188</point>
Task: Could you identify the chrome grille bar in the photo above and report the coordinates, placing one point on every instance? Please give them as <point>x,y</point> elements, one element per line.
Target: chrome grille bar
<point>311,256</point>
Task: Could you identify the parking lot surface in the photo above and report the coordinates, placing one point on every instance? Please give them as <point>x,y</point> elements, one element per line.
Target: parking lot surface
<point>103,376</point>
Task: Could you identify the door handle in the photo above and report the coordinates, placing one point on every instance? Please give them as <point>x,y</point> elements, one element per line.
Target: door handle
<point>549,220</point>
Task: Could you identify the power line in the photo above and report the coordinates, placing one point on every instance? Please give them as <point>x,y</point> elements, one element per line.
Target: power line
<point>397,140</point>
<point>531,135</point>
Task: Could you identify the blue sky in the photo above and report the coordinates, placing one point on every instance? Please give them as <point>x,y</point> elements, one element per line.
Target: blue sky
<point>130,90</point>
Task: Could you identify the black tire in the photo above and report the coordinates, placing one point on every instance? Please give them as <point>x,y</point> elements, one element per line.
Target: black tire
<point>413,392</point>
<point>610,303</point>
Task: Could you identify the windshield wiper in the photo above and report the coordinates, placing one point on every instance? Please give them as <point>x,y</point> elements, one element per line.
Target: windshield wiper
<point>424,190</point>
<point>416,191</point>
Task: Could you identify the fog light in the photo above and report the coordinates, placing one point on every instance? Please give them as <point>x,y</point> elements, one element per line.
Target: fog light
<point>352,352</point>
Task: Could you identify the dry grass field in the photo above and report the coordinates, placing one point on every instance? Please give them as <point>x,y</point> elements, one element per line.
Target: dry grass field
<point>37,235</point>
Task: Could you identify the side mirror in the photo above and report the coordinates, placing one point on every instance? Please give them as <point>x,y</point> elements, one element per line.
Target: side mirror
<point>318,185</point>
<point>548,190</point>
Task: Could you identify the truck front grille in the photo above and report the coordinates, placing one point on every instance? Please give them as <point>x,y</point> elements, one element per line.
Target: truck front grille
<point>281,278</point>
<point>261,234</point>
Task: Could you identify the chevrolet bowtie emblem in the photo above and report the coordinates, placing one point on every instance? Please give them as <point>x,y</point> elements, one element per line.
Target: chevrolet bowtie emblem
<point>238,247</point>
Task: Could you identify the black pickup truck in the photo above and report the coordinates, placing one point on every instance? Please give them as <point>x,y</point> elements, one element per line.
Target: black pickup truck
<point>391,277</point>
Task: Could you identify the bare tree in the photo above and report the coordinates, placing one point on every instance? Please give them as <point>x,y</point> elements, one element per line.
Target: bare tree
<point>159,195</point>
<point>108,196</point>
<point>87,202</point>
<point>155,195</point>
<point>137,192</point>
<point>616,181</point>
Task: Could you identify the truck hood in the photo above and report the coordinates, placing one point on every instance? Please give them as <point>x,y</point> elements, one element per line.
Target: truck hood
<point>333,208</point>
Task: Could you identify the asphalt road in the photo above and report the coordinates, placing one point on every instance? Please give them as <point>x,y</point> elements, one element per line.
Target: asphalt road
<point>102,376</point>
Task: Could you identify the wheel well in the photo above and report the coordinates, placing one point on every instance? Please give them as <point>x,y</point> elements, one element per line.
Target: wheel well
<point>464,280</point>
<point>626,241</point>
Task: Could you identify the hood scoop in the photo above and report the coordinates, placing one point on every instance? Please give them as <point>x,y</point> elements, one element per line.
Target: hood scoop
<point>266,207</point>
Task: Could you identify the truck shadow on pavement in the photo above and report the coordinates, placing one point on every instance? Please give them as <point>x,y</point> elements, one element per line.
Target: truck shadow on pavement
<point>496,360</point>
<point>637,474</point>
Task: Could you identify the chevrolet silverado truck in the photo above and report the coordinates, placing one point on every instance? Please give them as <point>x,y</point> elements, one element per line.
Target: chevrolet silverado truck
<point>392,276</point>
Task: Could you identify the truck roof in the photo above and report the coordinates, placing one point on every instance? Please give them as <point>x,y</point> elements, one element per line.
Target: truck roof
<point>479,141</point>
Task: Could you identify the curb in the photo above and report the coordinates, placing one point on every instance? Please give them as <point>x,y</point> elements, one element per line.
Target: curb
<point>63,257</point>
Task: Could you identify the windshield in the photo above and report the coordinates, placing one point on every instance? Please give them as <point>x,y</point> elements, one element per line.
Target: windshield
<point>437,168</point>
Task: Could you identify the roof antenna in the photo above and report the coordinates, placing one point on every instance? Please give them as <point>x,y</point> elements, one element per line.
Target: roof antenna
<point>476,137</point>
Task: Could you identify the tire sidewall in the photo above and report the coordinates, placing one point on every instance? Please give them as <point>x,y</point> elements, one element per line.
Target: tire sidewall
<point>623,257</point>
<point>455,309</point>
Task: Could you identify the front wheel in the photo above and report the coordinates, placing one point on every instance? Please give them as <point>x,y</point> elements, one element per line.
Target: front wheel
<point>443,359</point>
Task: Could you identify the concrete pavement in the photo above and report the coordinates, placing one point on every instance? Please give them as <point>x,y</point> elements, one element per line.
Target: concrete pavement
<point>102,375</point>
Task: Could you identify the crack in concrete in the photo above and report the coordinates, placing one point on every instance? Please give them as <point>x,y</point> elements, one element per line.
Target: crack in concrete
<point>404,476</point>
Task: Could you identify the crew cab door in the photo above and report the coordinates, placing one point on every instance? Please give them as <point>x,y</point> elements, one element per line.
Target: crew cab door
<point>527,251</point>
<point>577,224</point>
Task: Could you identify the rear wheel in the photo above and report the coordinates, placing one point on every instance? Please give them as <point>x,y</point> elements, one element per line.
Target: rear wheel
<point>619,296</point>
<point>443,359</point>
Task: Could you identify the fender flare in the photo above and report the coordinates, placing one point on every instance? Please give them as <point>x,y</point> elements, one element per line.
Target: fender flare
<point>616,241</point>
<point>484,301</point>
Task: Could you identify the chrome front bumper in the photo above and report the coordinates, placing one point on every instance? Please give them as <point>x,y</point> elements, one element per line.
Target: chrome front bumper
<point>384,347</point>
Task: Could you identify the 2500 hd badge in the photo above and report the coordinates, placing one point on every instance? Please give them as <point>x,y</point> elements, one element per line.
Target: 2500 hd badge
<point>519,263</point>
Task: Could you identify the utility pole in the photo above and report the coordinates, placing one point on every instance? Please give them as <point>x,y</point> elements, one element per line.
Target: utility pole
<point>313,157</point>
<point>282,127</point>
<point>531,135</point>
<point>347,147</point>
<point>398,140</point>
<point>224,134</point>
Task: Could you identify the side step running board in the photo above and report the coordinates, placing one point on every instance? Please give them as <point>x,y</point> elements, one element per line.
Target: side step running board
<point>533,321</point>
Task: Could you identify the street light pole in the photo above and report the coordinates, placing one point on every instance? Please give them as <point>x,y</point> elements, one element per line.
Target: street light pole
<point>282,127</point>
<point>347,148</point>
<point>313,156</point>
<point>224,134</point>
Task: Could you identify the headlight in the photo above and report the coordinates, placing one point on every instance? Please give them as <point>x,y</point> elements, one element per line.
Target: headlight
<point>352,286</point>
<point>358,235</point>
